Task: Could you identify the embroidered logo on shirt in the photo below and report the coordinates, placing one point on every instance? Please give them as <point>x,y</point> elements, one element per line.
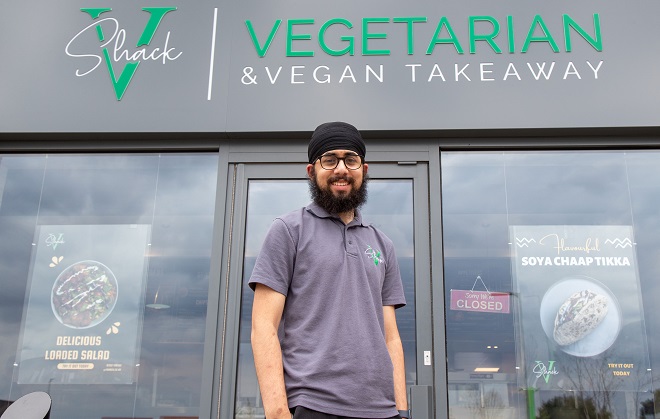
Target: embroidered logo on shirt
<point>374,254</point>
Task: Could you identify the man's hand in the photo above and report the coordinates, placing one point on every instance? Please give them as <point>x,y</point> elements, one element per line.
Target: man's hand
<point>395,348</point>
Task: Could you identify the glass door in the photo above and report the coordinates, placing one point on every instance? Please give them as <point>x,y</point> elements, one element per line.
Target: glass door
<point>397,205</point>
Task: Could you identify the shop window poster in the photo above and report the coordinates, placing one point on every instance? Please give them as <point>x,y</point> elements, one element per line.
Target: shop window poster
<point>580,322</point>
<point>83,312</point>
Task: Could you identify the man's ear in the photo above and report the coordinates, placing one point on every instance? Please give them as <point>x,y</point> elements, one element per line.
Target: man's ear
<point>310,168</point>
<point>366,168</point>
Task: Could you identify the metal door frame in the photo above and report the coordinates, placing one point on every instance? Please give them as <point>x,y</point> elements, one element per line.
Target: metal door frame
<point>231,270</point>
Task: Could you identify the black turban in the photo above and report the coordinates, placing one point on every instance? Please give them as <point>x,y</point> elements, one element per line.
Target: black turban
<point>335,136</point>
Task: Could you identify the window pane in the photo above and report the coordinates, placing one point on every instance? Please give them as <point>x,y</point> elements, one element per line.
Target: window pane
<point>128,340</point>
<point>528,232</point>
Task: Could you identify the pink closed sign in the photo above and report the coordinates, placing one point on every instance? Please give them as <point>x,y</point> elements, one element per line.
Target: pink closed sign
<point>482,301</point>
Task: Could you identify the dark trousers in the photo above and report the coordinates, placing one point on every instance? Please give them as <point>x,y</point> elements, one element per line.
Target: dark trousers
<point>300,412</point>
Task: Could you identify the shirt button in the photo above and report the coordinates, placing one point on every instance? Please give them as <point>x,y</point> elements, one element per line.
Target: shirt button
<point>350,242</point>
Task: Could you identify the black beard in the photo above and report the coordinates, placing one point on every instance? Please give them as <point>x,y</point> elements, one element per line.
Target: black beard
<point>338,204</point>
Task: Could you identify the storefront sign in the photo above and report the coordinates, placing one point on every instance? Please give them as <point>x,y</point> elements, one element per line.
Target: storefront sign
<point>580,306</point>
<point>482,301</point>
<point>221,66</point>
<point>84,307</point>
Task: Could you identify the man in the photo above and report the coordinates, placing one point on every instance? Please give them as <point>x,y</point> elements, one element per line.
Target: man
<point>324,332</point>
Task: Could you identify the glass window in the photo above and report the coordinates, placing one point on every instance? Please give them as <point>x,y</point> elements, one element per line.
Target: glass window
<point>104,266</point>
<point>551,266</point>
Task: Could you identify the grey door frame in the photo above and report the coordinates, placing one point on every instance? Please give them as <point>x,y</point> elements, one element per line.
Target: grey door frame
<point>231,270</point>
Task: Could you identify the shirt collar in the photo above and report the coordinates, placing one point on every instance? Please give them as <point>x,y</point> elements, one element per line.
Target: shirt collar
<point>320,212</point>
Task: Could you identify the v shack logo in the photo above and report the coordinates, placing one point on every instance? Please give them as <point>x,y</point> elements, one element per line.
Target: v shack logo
<point>121,61</point>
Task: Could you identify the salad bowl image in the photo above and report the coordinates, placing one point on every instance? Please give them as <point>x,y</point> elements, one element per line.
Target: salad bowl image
<point>84,294</point>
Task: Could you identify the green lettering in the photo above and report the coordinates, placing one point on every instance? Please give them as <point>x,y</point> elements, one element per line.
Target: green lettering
<point>596,42</point>
<point>366,35</point>
<point>350,49</point>
<point>444,22</point>
<point>95,12</point>
<point>474,37</point>
<point>290,37</point>
<point>512,45</point>
<point>409,21</point>
<point>546,376</point>
<point>538,20</point>
<point>124,78</point>
<point>156,15</point>
<point>261,51</point>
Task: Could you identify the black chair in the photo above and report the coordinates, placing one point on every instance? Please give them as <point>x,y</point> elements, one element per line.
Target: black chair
<point>34,405</point>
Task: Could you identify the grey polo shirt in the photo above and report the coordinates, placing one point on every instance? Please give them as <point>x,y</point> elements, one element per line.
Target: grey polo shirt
<point>336,279</point>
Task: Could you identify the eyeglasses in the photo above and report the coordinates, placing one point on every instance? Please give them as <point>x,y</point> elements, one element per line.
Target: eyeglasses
<point>351,161</point>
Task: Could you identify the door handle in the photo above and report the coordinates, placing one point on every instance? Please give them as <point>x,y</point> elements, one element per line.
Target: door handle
<point>421,402</point>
